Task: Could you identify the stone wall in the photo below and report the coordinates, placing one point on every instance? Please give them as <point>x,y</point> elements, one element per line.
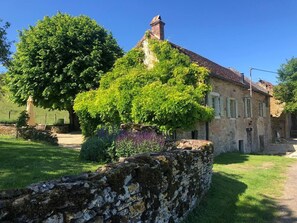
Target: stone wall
<point>7,129</point>
<point>156,187</point>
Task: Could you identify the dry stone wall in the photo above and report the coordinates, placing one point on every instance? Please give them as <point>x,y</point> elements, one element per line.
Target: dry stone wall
<point>7,129</point>
<point>156,187</point>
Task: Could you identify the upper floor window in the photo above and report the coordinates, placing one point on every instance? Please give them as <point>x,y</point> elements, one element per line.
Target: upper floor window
<point>232,110</point>
<point>214,101</point>
<point>262,109</point>
<point>247,107</point>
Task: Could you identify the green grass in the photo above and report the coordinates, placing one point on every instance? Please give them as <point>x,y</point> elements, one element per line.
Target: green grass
<point>244,189</point>
<point>23,163</point>
<point>43,116</point>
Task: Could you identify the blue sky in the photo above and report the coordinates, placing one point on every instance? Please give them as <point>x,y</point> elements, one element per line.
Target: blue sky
<point>238,34</point>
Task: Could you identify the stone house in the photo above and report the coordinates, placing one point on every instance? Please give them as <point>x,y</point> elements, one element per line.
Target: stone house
<point>242,120</point>
<point>283,124</point>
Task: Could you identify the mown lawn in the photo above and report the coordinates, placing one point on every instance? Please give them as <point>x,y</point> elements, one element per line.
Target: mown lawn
<point>23,163</point>
<point>9,112</point>
<point>244,189</point>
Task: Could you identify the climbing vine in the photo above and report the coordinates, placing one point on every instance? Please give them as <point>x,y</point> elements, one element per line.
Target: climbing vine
<point>169,95</point>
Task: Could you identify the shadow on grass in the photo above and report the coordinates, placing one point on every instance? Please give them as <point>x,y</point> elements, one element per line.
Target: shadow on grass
<point>231,158</point>
<point>223,204</point>
<point>219,205</point>
<point>23,163</point>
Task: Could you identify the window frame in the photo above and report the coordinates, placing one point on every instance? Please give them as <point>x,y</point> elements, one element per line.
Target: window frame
<point>262,109</point>
<point>232,112</point>
<point>215,101</point>
<point>248,109</point>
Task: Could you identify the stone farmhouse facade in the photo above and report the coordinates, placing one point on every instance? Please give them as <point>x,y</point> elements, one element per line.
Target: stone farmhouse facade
<point>283,124</point>
<point>242,111</point>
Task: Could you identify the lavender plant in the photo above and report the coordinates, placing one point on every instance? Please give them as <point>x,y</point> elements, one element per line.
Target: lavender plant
<point>98,147</point>
<point>132,143</point>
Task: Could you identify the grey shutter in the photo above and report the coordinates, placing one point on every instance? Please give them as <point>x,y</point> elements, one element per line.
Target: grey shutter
<point>221,107</point>
<point>236,109</point>
<point>264,110</point>
<point>228,108</point>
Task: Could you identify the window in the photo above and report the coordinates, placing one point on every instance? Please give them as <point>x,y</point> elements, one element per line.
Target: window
<point>215,102</point>
<point>195,134</point>
<point>240,146</point>
<point>247,107</point>
<point>262,109</point>
<point>261,142</point>
<point>232,108</point>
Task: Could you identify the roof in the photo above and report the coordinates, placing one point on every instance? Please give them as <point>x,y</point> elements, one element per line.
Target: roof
<point>218,71</point>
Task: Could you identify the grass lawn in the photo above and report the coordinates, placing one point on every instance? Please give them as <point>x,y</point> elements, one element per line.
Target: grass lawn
<point>42,116</point>
<point>23,163</point>
<point>244,189</point>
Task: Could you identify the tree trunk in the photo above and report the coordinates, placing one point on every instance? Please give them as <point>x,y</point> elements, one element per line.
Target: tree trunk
<point>74,123</point>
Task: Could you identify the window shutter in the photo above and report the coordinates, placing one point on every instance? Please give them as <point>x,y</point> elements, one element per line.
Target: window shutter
<point>209,100</point>
<point>221,106</point>
<point>264,110</point>
<point>228,108</point>
<point>236,109</point>
<point>251,103</point>
<point>245,107</point>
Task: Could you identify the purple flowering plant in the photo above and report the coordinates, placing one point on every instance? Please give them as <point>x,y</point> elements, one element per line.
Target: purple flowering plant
<point>132,143</point>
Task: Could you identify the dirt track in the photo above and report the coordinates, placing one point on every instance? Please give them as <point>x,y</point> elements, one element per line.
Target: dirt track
<point>288,202</point>
<point>70,140</point>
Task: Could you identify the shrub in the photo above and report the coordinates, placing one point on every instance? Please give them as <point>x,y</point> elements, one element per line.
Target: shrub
<point>132,143</point>
<point>88,123</point>
<point>37,135</point>
<point>22,119</point>
<point>96,148</point>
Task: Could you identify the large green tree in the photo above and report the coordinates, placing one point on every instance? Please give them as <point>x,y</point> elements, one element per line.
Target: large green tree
<point>58,58</point>
<point>4,44</point>
<point>286,91</point>
<point>170,94</point>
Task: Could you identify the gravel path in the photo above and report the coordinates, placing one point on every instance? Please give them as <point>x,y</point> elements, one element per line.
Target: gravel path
<point>70,140</point>
<point>288,202</point>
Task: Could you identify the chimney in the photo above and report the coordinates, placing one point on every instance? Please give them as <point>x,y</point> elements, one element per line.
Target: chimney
<point>242,77</point>
<point>158,27</point>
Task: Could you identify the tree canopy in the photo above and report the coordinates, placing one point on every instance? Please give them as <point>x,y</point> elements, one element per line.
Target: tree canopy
<point>4,44</point>
<point>286,91</point>
<point>169,95</point>
<point>60,57</point>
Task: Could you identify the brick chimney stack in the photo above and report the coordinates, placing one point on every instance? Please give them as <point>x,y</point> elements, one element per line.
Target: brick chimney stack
<point>158,27</point>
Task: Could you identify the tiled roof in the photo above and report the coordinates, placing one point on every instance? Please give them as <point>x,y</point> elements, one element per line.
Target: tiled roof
<point>218,71</point>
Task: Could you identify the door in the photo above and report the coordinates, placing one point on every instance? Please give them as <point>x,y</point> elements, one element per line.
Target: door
<point>249,139</point>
